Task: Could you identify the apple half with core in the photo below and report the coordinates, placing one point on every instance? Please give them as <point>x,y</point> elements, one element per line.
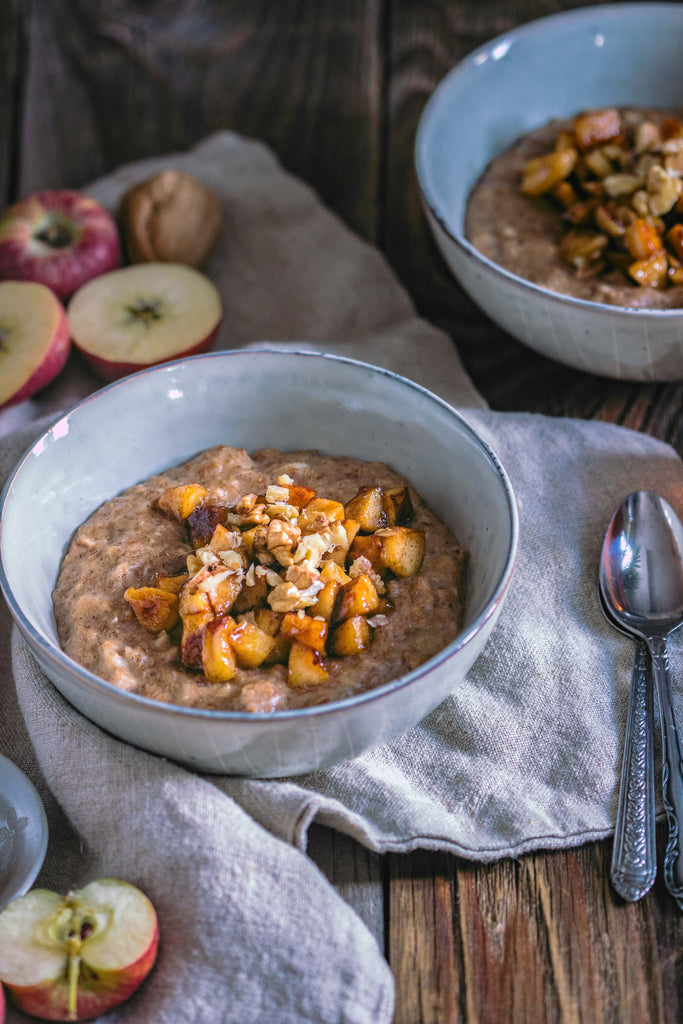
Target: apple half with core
<point>60,238</point>
<point>74,957</point>
<point>34,339</point>
<point>143,315</point>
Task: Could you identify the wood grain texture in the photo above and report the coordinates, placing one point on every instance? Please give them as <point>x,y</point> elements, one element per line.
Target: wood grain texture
<point>337,90</point>
<point>11,94</point>
<point>128,80</point>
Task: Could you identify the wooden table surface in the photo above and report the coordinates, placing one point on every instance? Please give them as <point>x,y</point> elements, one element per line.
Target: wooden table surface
<point>336,89</point>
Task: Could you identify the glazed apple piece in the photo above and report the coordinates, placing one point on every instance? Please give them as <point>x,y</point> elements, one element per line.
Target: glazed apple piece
<point>75,957</point>
<point>218,657</point>
<point>180,502</point>
<point>367,509</point>
<point>652,272</point>
<point>251,644</point>
<point>544,173</point>
<point>202,522</point>
<point>398,506</point>
<point>306,629</point>
<point>305,666</point>
<point>357,597</point>
<point>299,495</point>
<point>195,612</point>
<point>402,549</point>
<point>268,620</point>
<point>174,584</point>
<point>155,608</point>
<point>331,571</point>
<point>34,339</point>
<point>351,637</point>
<point>368,546</point>
<point>143,315</point>
<point>316,509</point>
<point>327,598</point>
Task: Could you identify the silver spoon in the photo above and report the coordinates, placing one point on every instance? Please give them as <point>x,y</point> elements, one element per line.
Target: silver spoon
<point>641,577</point>
<point>634,856</point>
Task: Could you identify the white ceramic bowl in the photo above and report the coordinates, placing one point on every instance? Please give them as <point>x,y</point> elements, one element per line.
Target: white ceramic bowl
<point>161,417</point>
<point>617,54</point>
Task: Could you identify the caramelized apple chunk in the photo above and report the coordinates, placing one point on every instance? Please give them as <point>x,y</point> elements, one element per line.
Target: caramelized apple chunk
<point>305,666</point>
<point>251,644</point>
<point>219,663</point>
<point>180,502</point>
<point>351,637</point>
<point>402,550</point>
<point>367,509</point>
<point>154,608</point>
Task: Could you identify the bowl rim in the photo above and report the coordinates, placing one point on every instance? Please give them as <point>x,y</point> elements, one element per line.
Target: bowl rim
<point>56,657</point>
<point>420,149</point>
<point>11,773</point>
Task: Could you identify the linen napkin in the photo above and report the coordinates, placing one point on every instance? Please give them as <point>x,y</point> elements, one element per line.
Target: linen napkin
<point>524,754</point>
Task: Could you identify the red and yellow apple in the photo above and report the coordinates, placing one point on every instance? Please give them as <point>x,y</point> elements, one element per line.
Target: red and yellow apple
<point>143,315</point>
<point>60,238</point>
<point>74,957</point>
<point>34,339</point>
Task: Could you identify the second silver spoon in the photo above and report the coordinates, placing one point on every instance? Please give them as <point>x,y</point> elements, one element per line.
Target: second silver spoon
<point>641,576</point>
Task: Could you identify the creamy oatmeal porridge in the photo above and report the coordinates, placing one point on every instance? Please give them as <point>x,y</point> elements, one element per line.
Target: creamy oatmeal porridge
<point>590,207</point>
<point>260,583</point>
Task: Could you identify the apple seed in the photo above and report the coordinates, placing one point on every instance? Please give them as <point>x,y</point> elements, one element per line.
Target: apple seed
<point>145,311</point>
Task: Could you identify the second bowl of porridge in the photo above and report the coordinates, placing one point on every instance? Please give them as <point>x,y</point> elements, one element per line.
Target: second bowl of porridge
<point>260,563</point>
<point>550,164</point>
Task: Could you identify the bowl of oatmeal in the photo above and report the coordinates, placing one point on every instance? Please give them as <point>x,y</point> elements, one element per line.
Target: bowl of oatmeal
<point>550,165</point>
<point>258,563</point>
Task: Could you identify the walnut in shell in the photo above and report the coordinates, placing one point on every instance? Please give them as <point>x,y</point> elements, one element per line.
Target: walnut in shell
<point>170,218</point>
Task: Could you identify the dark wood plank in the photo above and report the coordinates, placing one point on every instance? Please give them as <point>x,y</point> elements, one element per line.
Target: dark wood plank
<point>114,82</point>
<point>11,94</point>
<point>422,941</point>
<point>356,872</point>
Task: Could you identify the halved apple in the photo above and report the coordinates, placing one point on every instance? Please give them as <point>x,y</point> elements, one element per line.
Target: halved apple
<point>143,315</point>
<point>34,339</point>
<point>75,957</point>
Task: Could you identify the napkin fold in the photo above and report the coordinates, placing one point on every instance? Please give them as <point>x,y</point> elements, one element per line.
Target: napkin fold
<point>524,754</point>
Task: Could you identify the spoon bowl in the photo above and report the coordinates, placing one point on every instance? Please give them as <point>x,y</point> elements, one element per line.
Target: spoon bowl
<point>641,580</point>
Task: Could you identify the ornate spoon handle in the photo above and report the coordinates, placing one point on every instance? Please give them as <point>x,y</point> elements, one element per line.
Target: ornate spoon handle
<point>634,859</point>
<point>672,771</point>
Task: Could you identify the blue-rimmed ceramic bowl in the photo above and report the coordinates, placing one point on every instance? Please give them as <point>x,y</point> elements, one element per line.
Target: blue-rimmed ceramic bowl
<point>616,54</point>
<point>161,417</point>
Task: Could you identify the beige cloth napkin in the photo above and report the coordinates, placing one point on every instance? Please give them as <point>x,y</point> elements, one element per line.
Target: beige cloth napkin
<point>524,754</point>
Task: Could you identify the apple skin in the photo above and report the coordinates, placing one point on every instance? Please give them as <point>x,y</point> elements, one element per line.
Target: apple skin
<point>60,238</point>
<point>2,1005</point>
<point>49,1001</point>
<point>99,989</point>
<point>13,296</point>
<point>110,371</point>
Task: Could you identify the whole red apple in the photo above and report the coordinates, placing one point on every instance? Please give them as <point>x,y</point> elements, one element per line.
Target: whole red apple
<point>75,957</point>
<point>143,315</point>
<point>34,339</point>
<point>60,238</point>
